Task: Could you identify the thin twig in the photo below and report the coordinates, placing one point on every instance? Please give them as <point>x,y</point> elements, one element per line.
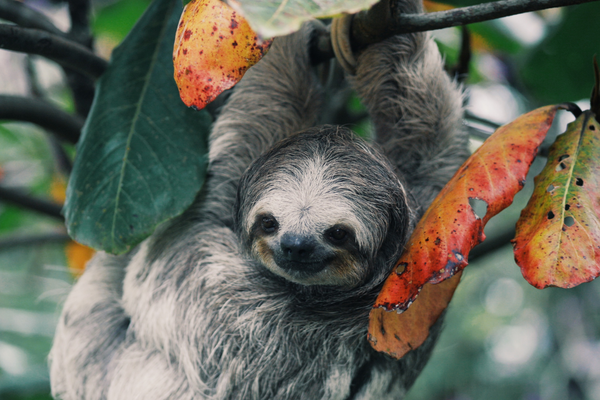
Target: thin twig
<point>63,51</point>
<point>79,11</point>
<point>35,89</point>
<point>461,70</point>
<point>20,14</point>
<point>63,161</point>
<point>80,32</point>
<point>66,126</point>
<point>33,240</point>
<point>406,23</point>
<point>21,199</point>
<point>491,244</point>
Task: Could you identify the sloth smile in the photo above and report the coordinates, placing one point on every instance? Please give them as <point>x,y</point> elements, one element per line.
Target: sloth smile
<point>302,267</point>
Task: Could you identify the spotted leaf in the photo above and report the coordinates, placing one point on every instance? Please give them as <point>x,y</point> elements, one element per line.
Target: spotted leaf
<point>557,240</point>
<point>397,334</point>
<point>449,229</point>
<point>214,48</point>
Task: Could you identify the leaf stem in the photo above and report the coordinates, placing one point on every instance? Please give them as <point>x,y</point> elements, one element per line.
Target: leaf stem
<point>63,51</point>
<point>65,126</point>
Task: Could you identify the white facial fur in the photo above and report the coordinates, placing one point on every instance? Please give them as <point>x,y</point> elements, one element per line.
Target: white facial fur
<point>309,203</point>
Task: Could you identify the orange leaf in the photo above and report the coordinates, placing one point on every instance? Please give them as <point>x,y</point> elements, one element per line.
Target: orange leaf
<point>77,257</point>
<point>557,241</point>
<point>449,229</point>
<point>214,47</point>
<point>397,334</point>
<point>58,189</point>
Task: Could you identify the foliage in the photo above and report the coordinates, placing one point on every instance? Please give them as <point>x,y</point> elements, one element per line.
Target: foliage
<point>558,237</point>
<point>451,227</point>
<point>141,156</point>
<point>551,252</point>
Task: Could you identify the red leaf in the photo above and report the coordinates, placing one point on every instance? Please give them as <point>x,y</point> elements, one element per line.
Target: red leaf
<point>440,244</point>
<point>214,47</point>
<point>449,229</point>
<point>557,241</point>
<point>397,334</point>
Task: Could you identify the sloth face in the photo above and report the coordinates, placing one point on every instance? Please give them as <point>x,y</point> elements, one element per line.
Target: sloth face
<point>318,208</point>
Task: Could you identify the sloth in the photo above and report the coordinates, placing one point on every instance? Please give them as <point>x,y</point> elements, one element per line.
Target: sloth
<point>262,288</point>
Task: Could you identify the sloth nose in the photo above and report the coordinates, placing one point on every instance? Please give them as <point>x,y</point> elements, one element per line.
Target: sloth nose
<point>297,248</point>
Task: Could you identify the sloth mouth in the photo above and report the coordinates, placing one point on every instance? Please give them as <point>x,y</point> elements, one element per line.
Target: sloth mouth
<point>302,268</point>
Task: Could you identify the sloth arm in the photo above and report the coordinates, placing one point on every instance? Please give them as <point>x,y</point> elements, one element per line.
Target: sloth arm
<point>415,107</point>
<point>276,98</point>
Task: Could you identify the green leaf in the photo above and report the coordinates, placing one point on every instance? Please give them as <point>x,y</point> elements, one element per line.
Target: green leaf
<point>275,18</point>
<point>141,159</point>
<point>119,17</point>
<point>560,68</point>
<point>495,37</point>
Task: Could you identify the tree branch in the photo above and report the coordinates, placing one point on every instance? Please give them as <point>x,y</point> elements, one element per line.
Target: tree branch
<point>492,244</point>
<point>20,14</point>
<point>63,162</point>
<point>66,126</point>
<point>406,23</point>
<point>374,25</point>
<point>81,86</point>
<point>23,200</point>
<point>63,51</point>
<point>80,32</point>
<point>79,11</point>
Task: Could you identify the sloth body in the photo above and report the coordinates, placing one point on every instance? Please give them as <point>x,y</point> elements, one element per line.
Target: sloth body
<point>262,289</point>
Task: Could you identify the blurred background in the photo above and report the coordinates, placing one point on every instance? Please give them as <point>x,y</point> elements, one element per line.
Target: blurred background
<point>503,339</point>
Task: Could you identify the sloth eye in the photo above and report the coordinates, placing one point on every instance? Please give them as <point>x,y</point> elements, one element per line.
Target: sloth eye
<point>337,236</point>
<point>268,224</point>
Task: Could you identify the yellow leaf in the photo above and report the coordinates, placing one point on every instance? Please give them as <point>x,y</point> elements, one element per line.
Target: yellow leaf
<point>77,257</point>
<point>58,189</point>
<point>214,47</point>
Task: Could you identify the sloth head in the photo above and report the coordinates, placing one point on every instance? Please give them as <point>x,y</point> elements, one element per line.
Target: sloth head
<point>322,208</point>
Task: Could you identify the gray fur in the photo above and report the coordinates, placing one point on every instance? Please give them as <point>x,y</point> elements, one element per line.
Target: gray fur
<point>202,311</point>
